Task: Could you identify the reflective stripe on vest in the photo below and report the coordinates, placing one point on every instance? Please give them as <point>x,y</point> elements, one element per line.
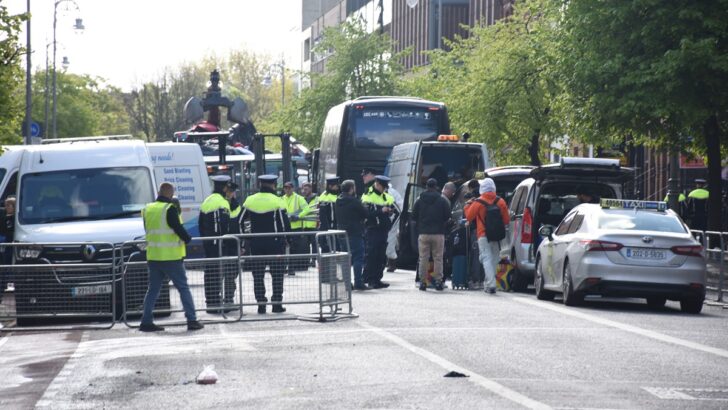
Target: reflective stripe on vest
<point>162,243</point>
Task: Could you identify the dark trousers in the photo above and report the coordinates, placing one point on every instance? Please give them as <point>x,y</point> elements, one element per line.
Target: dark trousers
<point>7,259</point>
<point>215,274</point>
<point>376,255</point>
<point>356,247</point>
<point>277,268</point>
<point>299,246</point>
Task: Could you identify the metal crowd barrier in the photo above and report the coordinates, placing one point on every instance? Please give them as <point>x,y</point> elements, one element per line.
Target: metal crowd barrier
<point>714,243</point>
<point>106,283</point>
<point>50,295</point>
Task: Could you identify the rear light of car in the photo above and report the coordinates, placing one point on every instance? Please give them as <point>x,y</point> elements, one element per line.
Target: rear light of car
<point>690,250</point>
<point>593,245</point>
<point>527,227</point>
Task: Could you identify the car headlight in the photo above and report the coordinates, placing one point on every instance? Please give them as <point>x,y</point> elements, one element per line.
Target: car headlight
<point>142,246</point>
<point>28,252</point>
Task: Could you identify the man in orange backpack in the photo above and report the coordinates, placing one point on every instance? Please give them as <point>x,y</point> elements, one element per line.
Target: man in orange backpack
<point>490,214</point>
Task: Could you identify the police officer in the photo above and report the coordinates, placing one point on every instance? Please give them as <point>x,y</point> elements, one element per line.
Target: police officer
<point>214,220</point>
<point>382,214</point>
<point>295,206</point>
<point>698,206</point>
<point>309,217</point>
<point>367,176</point>
<point>681,204</point>
<point>327,208</point>
<point>266,213</point>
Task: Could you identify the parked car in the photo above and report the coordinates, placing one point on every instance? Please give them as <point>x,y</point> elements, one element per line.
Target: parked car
<point>546,197</point>
<point>622,248</point>
<point>507,179</point>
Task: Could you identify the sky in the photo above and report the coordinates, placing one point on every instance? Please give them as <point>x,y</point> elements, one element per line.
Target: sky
<point>128,42</point>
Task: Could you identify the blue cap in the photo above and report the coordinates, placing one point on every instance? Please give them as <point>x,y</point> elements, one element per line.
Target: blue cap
<point>383,179</point>
<point>268,178</point>
<point>220,178</point>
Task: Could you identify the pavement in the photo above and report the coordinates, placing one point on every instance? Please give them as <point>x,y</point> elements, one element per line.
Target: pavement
<point>515,351</point>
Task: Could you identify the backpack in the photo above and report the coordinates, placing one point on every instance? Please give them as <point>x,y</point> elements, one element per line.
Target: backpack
<point>495,229</point>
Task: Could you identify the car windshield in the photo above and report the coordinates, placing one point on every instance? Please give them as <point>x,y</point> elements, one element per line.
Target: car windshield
<point>84,194</point>
<point>630,220</point>
<point>449,164</point>
<point>387,127</point>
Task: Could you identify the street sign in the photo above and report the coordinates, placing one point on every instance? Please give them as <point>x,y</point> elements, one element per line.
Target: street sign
<point>35,129</point>
<point>690,163</point>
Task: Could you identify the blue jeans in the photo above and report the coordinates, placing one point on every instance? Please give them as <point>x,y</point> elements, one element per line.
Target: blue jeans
<point>175,270</point>
<point>356,246</point>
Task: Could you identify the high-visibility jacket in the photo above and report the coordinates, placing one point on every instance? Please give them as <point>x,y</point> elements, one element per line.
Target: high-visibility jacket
<point>214,217</point>
<point>266,212</point>
<point>295,205</point>
<point>308,214</point>
<point>374,202</point>
<point>162,243</point>
<point>327,211</point>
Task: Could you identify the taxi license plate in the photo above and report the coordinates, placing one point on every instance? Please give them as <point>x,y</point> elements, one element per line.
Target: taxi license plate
<point>90,290</point>
<point>646,254</point>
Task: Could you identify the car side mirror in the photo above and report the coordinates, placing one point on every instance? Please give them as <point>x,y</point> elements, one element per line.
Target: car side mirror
<point>547,231</point>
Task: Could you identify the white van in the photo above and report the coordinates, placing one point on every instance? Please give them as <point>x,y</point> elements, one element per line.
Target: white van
<point>183,166</point>
<point>411,164</point>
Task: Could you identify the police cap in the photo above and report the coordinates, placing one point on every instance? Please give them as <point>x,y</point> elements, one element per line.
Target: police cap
<point>382,179</point>
<point>220,178</point>
<point>332,181</point>
<point>367,171</point>
<point>699,181</point>
<point>269,178</point>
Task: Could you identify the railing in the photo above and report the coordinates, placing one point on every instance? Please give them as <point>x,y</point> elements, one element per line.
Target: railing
<point>714,243</point>
<point>225,285</point>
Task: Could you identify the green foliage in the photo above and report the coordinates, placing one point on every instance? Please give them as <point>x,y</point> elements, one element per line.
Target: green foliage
<point>357,63</point>
<point>497,83</point>
<point>11,77</point>
<point>85,106</point>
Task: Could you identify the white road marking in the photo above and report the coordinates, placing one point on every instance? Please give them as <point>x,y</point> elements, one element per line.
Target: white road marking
<point>482,381</point>
<point>678,393</point>
<point>623,326</point>
<point>57,383</point>
<point>5,339</point>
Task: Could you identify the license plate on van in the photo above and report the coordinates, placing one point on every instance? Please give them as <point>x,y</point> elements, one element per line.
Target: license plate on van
<point>90,290</point>
<point>646,254</point>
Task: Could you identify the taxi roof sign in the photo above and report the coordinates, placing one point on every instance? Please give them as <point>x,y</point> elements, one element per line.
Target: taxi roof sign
<point>448,138</point>
<point>633,204</point>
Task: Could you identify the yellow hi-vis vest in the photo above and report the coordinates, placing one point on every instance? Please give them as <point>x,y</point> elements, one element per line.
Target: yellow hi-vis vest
<point>162,243</point>
<point>295,204</point>
<point>310,218</point>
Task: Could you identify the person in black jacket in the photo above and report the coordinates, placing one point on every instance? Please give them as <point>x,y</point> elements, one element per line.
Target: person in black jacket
<point>431,213</point>
<point>350,217</point>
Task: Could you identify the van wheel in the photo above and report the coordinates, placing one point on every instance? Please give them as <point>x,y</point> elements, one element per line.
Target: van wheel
<point>571,297</point>
<point>541,293</point>
<point>520,283</point>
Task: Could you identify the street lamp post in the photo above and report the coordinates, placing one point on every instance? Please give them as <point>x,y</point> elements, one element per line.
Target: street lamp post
<point>78,26</point>
<point>28,83</point>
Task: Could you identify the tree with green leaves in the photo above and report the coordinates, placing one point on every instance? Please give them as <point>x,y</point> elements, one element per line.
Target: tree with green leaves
<point>654,69</point>
<point>11,77</point>
<point>356,63</point>
<point>497,83</point>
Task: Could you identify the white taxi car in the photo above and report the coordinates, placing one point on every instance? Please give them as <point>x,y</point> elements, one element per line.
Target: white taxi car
<point>621,248</point>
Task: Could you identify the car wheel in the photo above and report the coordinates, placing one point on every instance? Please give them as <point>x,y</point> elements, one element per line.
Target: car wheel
<point>692,305</point>
<point>541,293</point>
<point>571,297</point>
<point>656,302</point>
<point>520,284</point>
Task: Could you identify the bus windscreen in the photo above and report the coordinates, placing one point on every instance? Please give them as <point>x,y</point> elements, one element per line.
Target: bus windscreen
<point>386,127</point>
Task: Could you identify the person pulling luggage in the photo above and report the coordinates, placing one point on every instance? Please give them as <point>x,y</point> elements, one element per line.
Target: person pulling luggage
<point>490,214</point>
